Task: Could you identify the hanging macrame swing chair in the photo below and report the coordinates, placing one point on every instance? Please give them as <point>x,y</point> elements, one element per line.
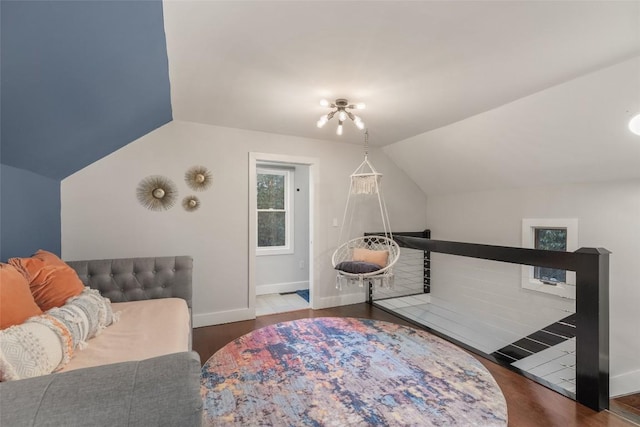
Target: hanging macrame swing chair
<point>367,258</point>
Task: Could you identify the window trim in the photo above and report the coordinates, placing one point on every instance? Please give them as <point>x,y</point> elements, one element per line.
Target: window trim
<point>288,210</point>
<point>564,290</point>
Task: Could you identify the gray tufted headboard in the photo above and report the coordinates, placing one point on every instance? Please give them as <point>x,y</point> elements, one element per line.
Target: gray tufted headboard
<point>133,279</point>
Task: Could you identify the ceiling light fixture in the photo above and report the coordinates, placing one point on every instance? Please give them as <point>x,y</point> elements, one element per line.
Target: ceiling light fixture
<point>341,107</point>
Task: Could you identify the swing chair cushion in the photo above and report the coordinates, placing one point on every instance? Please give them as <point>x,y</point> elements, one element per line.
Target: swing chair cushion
<point>358,267</point>
<point>368,256</point>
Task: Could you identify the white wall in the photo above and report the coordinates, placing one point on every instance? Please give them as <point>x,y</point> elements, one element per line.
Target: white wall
<point>609,217</point>
<point>573,132</point>
<point>101,217</point>
<point>284,273</point>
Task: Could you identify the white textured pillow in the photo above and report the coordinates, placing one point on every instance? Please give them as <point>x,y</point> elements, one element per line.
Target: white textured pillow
<point>45,343</point>
<point>85,315</point>
<point>33,348</point>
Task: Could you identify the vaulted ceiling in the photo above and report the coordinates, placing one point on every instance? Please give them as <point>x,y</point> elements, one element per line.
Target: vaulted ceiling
<point>418,65</point>
<point>81,79</point>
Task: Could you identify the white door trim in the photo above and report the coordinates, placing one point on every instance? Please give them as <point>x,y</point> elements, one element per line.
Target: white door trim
<point>314,165</point>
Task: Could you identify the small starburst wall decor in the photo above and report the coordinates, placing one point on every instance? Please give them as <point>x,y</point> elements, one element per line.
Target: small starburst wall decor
<point>190,203</point>
<point>198,178</point>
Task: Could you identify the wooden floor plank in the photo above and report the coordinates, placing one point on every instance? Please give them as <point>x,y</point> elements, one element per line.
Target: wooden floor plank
<point>629,406</point>
<point>529,404</point>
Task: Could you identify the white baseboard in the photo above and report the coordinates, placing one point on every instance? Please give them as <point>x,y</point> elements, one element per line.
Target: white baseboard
<point>338,300</point>
<point>279,288</point>
<point>219,317</point>
<point>624,384</point>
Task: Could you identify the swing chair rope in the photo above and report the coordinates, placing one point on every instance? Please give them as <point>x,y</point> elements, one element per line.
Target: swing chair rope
<point>385,215</point>
<point>344,217</point>
<point>363,182</point>
<point>366,144</point>
<point>365,179</point>
<point>366,182</point>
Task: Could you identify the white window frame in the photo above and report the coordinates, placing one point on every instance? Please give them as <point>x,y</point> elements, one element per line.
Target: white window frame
<point>288,212</point>
<point>529,226</point>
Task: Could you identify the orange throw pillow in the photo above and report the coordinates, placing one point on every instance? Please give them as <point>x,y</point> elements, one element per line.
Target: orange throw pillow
<point>16,301</point>
<point>51,280</point>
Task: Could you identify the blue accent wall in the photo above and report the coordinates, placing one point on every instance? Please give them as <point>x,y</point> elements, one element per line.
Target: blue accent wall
<point>29,213</point>
<point>80,79</point>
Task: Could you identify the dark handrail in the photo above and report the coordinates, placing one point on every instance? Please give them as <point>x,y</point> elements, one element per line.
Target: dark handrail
<point>592,302</point>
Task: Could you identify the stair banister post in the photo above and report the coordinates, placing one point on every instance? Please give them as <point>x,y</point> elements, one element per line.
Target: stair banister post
<point>592,328</point>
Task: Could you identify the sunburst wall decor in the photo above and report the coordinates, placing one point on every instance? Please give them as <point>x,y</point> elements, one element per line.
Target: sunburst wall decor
<point>190,203</point>
<point>157,193</point>
<point>198,178</point>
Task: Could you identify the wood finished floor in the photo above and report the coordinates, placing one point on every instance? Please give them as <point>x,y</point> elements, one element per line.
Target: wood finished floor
<point>629,406</point>
<point>528,403</point>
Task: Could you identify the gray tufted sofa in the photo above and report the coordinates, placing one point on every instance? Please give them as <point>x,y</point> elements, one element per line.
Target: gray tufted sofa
<point>133,279</point>
<point>161,391</point>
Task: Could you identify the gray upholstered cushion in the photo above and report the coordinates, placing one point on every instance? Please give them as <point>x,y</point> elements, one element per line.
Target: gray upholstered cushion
<point>357,267</point>
<point>163,391</point>
<point>133,279</point>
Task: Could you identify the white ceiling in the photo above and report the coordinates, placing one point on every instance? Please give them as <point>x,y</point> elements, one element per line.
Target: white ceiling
<point>575,132</point>
<point>417,65</point>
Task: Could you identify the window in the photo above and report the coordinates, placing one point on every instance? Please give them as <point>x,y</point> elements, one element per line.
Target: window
<point>555,235</point>
<point>553,239</point>
<point>275,211</point>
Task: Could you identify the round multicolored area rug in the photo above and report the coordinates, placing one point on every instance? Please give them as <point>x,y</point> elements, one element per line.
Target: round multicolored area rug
<point>347,372</point>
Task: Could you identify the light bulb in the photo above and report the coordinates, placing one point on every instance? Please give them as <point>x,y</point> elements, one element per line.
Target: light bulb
<point>323,120</point>
<point>324,103</point>
<point>358,121</point>
<point>339,130</point>
<point>634,124</point>
<point>361,106</point>
<point>342,115</point>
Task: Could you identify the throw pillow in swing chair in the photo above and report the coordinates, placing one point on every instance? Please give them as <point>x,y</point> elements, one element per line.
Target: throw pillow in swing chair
<point>367,255</point>
<point>357,267</point>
